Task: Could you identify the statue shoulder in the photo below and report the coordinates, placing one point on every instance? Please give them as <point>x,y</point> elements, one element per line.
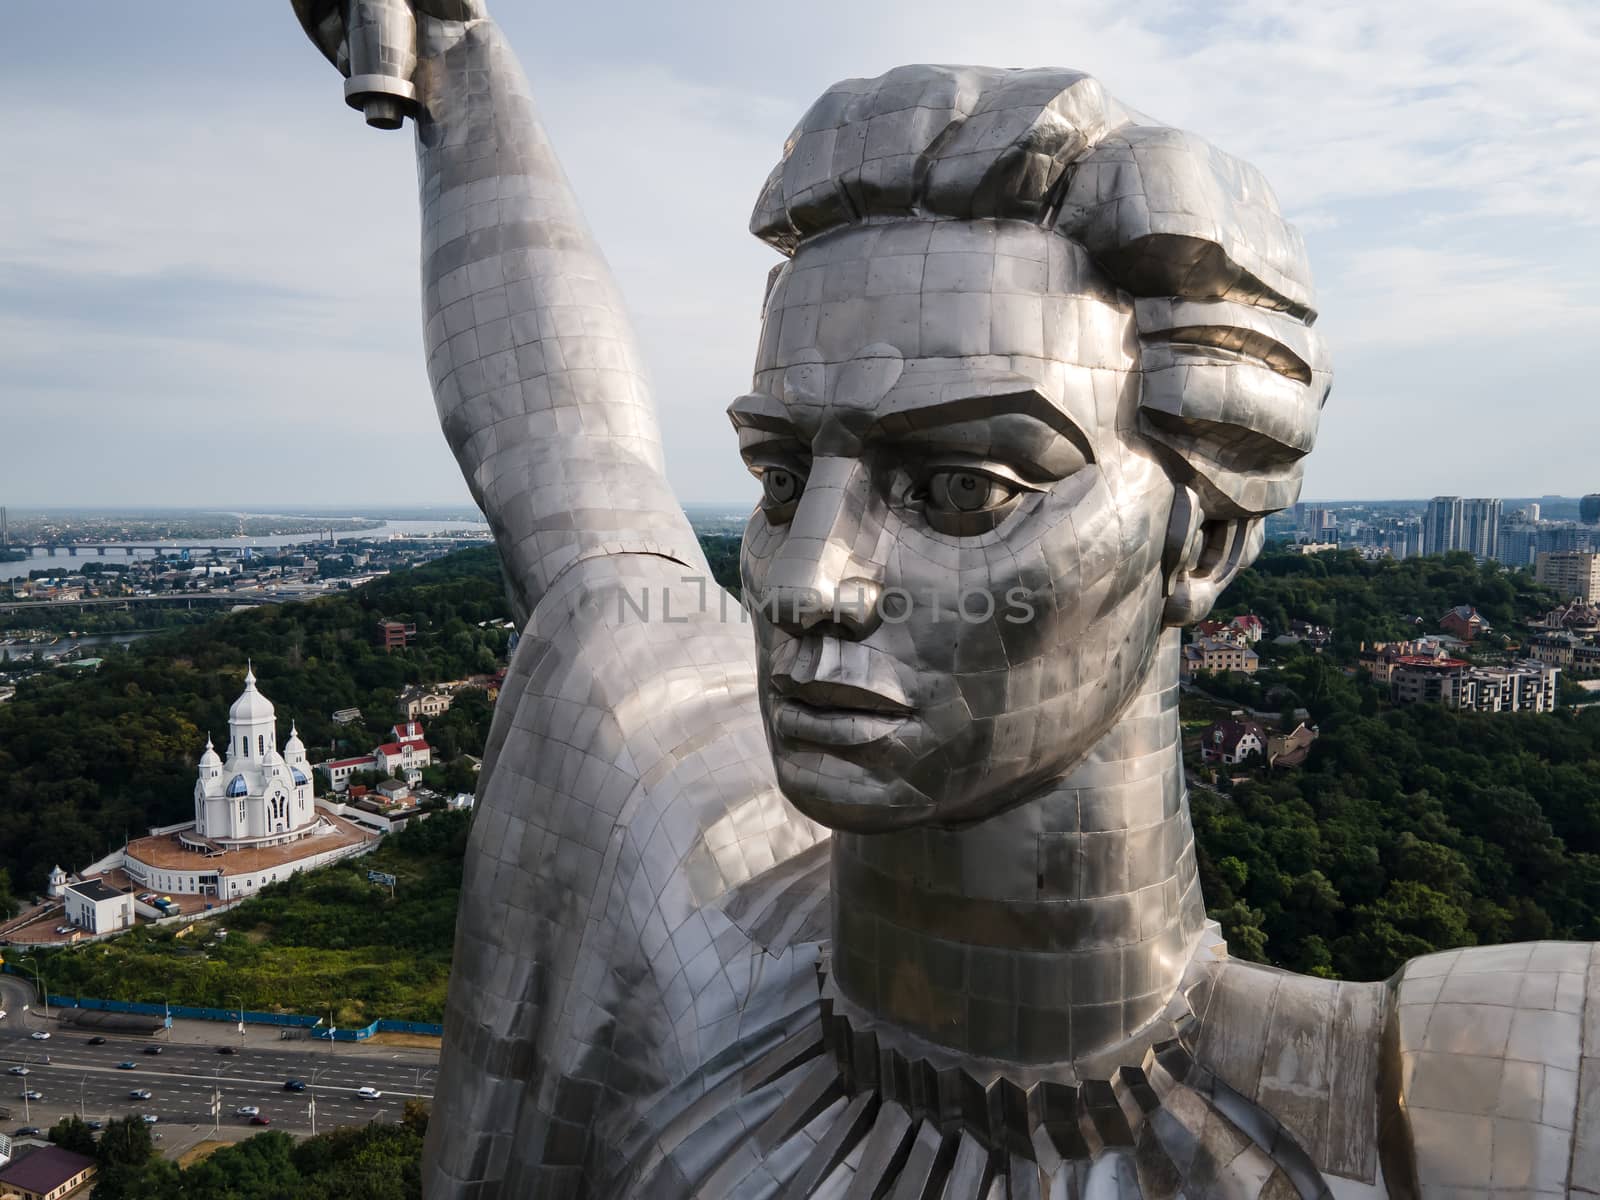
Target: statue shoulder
<point>1492,1068</point>
<point>1306,1051</point>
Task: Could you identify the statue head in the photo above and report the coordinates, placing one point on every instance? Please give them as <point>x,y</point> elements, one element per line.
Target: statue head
<point>1034,373</point>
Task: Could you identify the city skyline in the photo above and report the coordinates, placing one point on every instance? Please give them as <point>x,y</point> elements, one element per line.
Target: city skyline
<point>179,282</point>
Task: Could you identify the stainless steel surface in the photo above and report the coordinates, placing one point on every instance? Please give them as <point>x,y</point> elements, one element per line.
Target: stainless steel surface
<point>1033,371</point>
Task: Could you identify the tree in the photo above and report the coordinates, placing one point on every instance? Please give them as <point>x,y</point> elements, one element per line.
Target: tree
<point>125,1142</point>
<point>70,1133</point>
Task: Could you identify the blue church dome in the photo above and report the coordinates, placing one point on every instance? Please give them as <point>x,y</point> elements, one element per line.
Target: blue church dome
<point>299,775</point>
<point>238,787</point>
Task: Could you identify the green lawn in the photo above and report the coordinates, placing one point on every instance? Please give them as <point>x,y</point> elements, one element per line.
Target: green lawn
<point>325,938</point>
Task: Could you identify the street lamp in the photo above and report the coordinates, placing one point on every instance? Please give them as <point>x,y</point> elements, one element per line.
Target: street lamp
<point>44,992</point>
<point>313,1105</point>
<point>240,999</point>
<point>81,1082</point>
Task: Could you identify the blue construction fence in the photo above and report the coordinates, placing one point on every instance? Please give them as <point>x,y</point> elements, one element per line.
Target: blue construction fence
<point>186,1012</point>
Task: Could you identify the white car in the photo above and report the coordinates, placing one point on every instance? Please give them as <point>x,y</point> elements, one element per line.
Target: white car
<point>19,1070</point>
<point>40,1035</point>
<point>63,928</point>
<point>246,1110</point>
<point>33,1094</point>
<point>368,1093</point>
<point>2,1014</point>
<point>139,1094</point>
<point>150,1118</point>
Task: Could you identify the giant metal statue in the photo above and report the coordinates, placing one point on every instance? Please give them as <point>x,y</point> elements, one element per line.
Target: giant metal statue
<point>1033,371</point>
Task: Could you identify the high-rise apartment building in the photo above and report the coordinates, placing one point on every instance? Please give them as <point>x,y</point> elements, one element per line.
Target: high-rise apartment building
<point>1318,522</point>
<point>1480,528</point>
<point>1441,524</point>
<point>1572,573</point>
<point>1452,523</point>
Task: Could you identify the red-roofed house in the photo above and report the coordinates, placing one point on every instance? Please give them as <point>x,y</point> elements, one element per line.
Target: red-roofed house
<point>339,770</point>
<point>404,760</point>
<point>1463,622</point>
<point>1250,625</point>
<point>404,755</point>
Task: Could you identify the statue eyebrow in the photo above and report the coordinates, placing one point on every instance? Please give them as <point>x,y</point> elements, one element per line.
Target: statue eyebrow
<point>951,403</point>
<point>760,411</point>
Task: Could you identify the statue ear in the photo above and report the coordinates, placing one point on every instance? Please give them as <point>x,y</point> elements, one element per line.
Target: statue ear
<point>1202,556</point>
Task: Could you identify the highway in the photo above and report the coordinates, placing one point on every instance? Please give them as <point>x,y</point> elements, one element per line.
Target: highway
<point>85,1079</point>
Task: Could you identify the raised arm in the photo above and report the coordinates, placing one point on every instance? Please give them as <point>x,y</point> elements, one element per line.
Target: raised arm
<point>532,360</point>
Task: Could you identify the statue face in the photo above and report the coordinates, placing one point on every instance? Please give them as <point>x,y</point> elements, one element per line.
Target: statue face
<point>955,569</point>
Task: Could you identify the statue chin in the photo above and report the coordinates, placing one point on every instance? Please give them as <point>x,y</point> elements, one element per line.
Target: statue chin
<point>849,797</point>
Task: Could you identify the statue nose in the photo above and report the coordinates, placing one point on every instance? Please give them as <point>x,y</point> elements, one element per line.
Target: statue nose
<point>817,577</point>
<point>850,610</point>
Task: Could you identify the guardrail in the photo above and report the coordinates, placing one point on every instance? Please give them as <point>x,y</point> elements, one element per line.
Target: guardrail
<point>189,1012</point>
<point>232,1015</point>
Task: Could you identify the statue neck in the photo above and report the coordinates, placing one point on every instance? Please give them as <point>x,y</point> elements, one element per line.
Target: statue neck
<point>1048,934</point>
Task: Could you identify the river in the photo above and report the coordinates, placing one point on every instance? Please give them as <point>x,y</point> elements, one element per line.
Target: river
<point>66,563</point>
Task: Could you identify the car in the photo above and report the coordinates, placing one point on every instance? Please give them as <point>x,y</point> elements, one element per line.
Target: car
<point>153,1049</point>
<point>19,1070</point>
<point>258,1119</point>
<point>126,1066</point>
<point>40,1035</point>
<point>2,1014</point>
<point>294,1085</point>
<point>97,1126</point>
<point>97,1040</point>
<point>31,1094</point>
<point>368,1093</point>
<point>28,1131</point>
<point>227,1049</point>
<point>63,928</point>
<point>139,1094</point>
<point>246,1110</point>
<point>150,1118</point>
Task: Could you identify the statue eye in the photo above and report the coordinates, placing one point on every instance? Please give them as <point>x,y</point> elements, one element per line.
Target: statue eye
<point>967,492</point>
<point>780,493</point>
<point>965,502</point>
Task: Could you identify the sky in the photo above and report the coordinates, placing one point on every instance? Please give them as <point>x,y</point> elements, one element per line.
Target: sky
<point>208,264</point>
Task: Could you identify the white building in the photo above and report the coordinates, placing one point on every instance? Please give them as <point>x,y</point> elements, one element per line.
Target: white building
<point>97,908</point>
<point>404,756</point>
<point>1527,687</point>
<point>259,796</point>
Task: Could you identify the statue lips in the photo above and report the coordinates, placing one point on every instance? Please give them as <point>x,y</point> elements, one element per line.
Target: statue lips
<point>837,694</point>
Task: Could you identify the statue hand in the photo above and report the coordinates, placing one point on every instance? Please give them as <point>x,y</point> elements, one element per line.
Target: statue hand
<point>374,44</point>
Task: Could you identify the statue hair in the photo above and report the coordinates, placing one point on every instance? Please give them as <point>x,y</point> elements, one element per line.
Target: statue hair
<point>1218,280</point>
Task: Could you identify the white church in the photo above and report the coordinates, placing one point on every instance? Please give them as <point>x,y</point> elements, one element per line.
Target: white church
<point>257,820</point>
<point>259,795</point>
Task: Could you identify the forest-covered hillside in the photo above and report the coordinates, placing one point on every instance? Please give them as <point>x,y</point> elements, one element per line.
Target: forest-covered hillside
<point>89,758</point>
<point>1407,829</point>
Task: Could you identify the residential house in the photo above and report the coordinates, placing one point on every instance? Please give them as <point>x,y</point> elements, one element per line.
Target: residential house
<point>1232,741</point>
<point>1290,749</point>
<point>419,701</point>
<point>406,754</point>
<point>1216,656</point>
<point>1463,622</point>
<point>1250,626</point>
<point>1423,679</point>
